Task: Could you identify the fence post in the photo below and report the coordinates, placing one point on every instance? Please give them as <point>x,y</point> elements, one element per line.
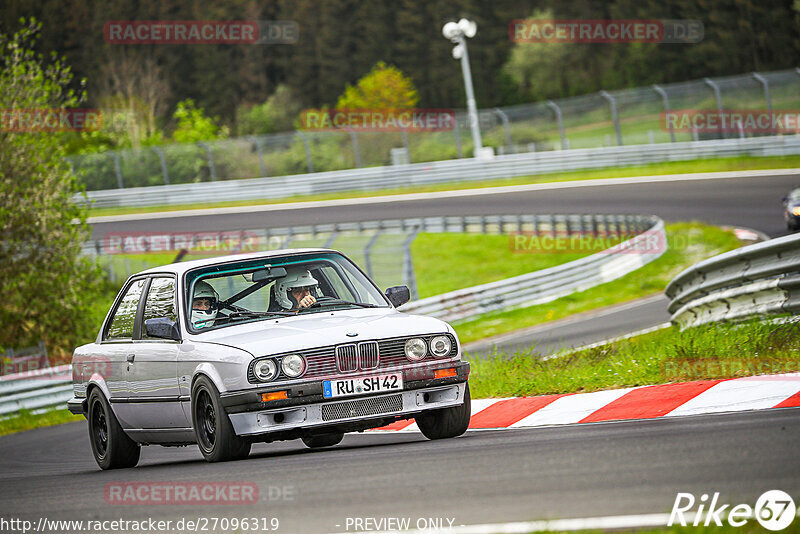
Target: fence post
<point>332,237</point>
<point>715,88</point>
<point>408,265</point>
<point>368,252</point>
<point>665,99</point>
<point>307,147</point>
<point>614,115</point>
<point>117,169</point>
<point>163,160</point>
<point>257,143</point>
<point>560,119</point>
<point>506,127</point>
<point>405,144</point>
<point>457,135</point>
<point>356,149</point>
<point>765,83</point>
<point>211,171</point>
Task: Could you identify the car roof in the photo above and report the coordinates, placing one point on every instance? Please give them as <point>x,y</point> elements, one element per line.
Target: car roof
<point>182,267</point>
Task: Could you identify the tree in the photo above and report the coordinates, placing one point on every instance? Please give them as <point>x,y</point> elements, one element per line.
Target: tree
<point>384,86</point>
<point>47,287</point>
<point>277,114</point>
<point>194,125</point>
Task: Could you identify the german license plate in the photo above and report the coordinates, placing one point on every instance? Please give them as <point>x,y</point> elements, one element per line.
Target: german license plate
<point>362,386</point>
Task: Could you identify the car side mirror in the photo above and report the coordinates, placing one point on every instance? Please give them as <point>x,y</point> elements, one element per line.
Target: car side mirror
<point>162,327</point>
<point>398,295</point>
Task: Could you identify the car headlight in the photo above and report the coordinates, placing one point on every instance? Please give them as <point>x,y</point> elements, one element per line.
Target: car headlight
<point>293,365</point>
<point>416,349</point>
<point>265,370</point>
<point>440,346</point>
<point>796,210</point>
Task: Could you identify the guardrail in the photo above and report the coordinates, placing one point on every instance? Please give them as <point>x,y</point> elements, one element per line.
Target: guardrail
<point>549,284</point>
<point>35,390</point>
<point>463,170</point>
<point>756,280</point>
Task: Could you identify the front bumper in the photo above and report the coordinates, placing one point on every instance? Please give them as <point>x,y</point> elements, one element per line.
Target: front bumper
<point>306,408</point>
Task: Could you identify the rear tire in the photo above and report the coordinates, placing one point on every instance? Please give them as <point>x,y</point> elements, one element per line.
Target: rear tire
<point>446,422</point>
<point>216,438</point>
<point>111,446</point>
<point>323,440</point>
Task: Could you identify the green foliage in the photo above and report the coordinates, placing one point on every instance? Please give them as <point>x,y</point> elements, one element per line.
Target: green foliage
<point>25,420</point>
<point>193,125</point>
<point>46,286</point>
<point>384,87</point>
<point>277,114</point>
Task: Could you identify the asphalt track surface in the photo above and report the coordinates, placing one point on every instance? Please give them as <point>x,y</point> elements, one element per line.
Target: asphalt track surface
<point>620,468</point>
<point>752,202</point>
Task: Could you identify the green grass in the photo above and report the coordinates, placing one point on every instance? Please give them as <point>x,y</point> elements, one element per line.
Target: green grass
<point>740,163</point>
<point>25,420</point>
<point>668,355</point>
<point>688,244</point>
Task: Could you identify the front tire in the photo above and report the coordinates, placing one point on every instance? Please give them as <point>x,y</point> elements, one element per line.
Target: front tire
<point>216,438</point>
<point>446,422</point>
<point>111,446</point>
<point>323,440</point>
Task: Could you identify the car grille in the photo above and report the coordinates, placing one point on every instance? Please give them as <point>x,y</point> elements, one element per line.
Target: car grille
<point>362,407</point>
<point>384,354</point>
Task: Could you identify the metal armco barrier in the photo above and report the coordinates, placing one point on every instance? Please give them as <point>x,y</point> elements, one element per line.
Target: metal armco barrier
<point>463,170</point>
<point>757,280</point>
<point>44,388</point>
<point>548,284</point>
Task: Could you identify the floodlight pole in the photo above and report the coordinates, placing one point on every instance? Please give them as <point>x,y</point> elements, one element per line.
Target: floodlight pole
<point>472,107</point>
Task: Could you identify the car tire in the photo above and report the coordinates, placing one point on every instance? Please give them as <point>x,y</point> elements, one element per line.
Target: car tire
<point>216,438</point>
<point>111,446</point>
<point>446,422</point>
<point>323,440</point>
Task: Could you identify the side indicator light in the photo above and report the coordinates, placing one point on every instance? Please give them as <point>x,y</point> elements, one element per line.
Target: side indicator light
<point>444,373</point>
<point>275,395</point>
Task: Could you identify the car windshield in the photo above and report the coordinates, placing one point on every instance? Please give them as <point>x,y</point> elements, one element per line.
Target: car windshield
<point>252,290</point>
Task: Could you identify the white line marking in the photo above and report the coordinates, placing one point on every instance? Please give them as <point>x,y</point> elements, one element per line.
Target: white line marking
<point>443,194</point>
<point>750,393</point>
<point>571,408</point>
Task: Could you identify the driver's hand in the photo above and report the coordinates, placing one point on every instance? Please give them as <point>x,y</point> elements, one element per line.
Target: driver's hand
<point>305,302</point>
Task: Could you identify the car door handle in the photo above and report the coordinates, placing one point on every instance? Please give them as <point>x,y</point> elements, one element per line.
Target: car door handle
<point>131,357</point>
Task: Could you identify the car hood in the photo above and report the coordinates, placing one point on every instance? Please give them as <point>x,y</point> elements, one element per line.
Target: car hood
<point>321,329</point>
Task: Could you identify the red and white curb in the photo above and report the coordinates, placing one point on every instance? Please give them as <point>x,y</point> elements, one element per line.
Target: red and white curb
<point>642,402</point>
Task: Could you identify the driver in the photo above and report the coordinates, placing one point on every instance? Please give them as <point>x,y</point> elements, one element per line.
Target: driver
<point>204,305</point>
<point>296,290</point>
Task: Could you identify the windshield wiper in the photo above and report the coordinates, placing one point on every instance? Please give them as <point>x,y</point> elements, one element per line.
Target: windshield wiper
<point>338,302</point>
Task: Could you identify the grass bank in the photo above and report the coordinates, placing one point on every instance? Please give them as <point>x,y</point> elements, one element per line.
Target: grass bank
<point>26,420</point>
<point>740,163</point>
<point>688,244</point>
<point>669,355</point>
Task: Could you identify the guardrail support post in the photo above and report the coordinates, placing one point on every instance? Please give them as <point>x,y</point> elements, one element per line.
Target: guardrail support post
<point>307,148</point>
<point>665,100</point>
<point>117,169</point>
<point>211,171</point>
<point>560,120</point>
<point>709,82</point>
<point>506,126</point>
<point>614,115</point>
<point>163,160</point>
<point>257,143</point>
<point>408,265</point>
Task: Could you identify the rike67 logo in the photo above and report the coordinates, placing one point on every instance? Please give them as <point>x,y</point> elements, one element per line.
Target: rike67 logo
<point>774,510</point>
